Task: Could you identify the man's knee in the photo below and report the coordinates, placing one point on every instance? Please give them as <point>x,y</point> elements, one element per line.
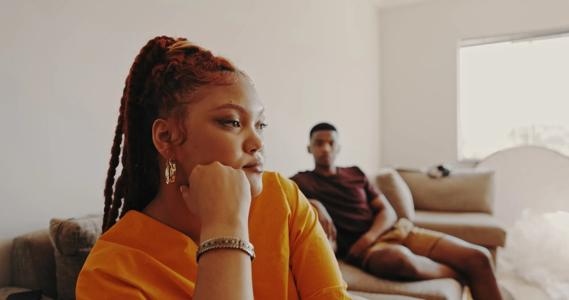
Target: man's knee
<point>394,261</point>
<point>477,259</point>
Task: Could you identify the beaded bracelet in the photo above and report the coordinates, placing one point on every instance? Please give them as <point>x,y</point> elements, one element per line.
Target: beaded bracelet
<point>226,243</point>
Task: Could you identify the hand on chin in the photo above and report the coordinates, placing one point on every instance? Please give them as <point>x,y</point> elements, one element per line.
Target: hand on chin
<point>256,183</point>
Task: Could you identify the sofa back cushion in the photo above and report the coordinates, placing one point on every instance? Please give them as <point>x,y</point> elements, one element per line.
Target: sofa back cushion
<point>72,240</point>
<point>462,191</point>
<point>32,263</point>
<point>397,192</point>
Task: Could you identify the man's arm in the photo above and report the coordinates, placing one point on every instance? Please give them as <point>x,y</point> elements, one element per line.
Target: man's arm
<point>385,215</point>
<point>325,221</point>
<point>384,219</point>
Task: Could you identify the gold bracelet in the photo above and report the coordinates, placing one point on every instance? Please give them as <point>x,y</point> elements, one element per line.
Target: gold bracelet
<point>226,243</point>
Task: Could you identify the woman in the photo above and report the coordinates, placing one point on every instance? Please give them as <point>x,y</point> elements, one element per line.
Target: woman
<point>192,180</point>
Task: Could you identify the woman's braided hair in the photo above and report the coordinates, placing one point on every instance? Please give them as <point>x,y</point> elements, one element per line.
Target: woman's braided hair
<point>165,72</point>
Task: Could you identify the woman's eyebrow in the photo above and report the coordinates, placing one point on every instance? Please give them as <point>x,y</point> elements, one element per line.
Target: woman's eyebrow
<point>237,107</point>
<point>230,106</point>
<point>261,112</point>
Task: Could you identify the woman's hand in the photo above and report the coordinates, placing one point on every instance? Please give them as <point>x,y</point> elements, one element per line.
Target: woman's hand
<point>220,196</point>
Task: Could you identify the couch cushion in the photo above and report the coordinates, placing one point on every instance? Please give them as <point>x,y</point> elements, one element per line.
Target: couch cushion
<point>462,191</point>
<point>32,262</point>
<point>478,228</point>
<point>372,296</point>
<point>397,192</point>
<point>436,289</point>
<point>72,239</point>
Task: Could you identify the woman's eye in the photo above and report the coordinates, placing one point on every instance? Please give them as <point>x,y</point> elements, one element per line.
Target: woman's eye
<point>231,123</point>
<point>262,125</point>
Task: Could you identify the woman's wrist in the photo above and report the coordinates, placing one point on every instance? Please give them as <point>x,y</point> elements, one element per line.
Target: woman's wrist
<point>237,229</point>
<point>226,243</point>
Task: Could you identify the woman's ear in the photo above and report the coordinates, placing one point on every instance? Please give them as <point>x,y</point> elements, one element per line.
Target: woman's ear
<point>162,132</point>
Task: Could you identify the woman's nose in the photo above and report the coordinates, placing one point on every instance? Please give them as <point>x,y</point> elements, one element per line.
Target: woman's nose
<point>254,142</point>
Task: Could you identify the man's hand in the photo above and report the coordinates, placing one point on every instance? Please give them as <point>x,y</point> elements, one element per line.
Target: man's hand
<point>326,221</point>
<point>359,248</point>
<point>383,221</point>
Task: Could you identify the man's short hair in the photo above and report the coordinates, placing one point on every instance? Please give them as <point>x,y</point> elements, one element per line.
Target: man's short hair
<point>321,127</point>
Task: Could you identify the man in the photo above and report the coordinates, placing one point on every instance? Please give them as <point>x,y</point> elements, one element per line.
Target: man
<point>369,235</point>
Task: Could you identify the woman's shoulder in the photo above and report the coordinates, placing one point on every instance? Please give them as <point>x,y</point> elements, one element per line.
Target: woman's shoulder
<point>275,185</point>
<point>126,241</point>
<point>275,182</point>
<point>121,267</point>
<point>108,257</point>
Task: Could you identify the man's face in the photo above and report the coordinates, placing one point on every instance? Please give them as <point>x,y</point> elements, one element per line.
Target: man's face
<point>324,147</point>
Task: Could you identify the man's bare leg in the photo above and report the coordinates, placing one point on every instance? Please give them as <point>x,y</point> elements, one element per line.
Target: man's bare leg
<point>473,262</point>
<point>398,262</point>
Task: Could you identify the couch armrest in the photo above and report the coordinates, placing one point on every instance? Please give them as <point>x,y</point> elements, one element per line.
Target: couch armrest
<point>32,262</point>
<point>13,292</point>
<point>5,263</point>
<point>478,228</point>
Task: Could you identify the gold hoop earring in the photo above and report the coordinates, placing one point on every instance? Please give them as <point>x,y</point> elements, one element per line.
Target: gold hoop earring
<point>170,172</point>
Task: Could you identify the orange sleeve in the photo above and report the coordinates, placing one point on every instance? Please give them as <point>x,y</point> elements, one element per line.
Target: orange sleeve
<point>117,272</point>
<point>314,266</point>
<point>97,284</point>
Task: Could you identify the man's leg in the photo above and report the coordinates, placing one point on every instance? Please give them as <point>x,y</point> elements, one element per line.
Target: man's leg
<point>472,261</point>
<point>397,262</point>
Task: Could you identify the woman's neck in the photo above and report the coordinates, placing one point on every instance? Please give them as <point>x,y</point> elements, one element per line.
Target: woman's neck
<point>168,207</point>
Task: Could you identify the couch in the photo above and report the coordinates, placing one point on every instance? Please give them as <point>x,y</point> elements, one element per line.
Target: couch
<point>48,261</point>
<point>460,205</point>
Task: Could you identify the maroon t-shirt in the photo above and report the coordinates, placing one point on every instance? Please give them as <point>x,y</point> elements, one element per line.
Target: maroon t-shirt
<point>346,196</point>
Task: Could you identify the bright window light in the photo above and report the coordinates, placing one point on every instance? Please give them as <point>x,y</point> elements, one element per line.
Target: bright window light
<point>514,93</point>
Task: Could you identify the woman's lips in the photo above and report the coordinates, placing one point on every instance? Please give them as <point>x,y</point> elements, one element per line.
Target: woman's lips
<point>256,168</point>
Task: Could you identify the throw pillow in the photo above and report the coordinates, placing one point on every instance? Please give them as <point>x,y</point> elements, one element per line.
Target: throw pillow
<point>72,240</point>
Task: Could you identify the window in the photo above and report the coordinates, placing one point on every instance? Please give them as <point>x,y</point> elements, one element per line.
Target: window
<point>513,93</point>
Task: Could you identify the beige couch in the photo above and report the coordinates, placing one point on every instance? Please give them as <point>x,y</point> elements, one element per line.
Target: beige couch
<point>460,205</point>
<point>49,260</point>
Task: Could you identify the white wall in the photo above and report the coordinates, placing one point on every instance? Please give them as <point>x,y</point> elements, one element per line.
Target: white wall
<point>419,68</point>
<point>63,65</point>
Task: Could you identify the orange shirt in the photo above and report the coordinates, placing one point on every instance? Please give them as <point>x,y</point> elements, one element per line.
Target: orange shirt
<point>141,258</point>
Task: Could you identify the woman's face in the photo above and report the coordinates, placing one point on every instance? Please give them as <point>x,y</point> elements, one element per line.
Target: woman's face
<point>224,123</point>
